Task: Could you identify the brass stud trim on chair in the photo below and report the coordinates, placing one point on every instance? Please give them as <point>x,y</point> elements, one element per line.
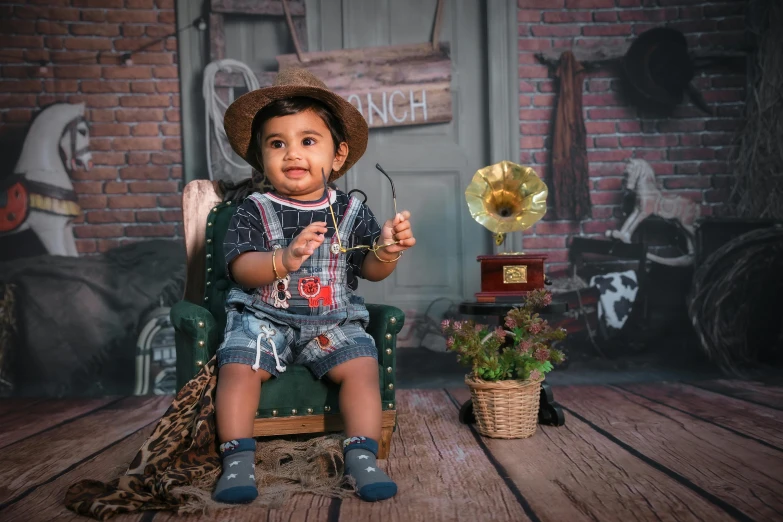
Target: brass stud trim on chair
<point>209,256</point>
<point>209,283</point>
<point>199,363</point>
<point>389,336</point>
<point>209,269</point>
<point>389,369</point>
<point>393,320</point>
<point>206,298</point>
<point>201,324</point>
<point>214,209</point>
<point>390,386</point>
<point>209,223</point>
<point>293,411</point>
<point>201,343</point>
<point>388,351</point>
<point>309,411</point>
<point>390,406</point>
<point>327,408</point>
<point>209,240</point>
<point>274,413</point>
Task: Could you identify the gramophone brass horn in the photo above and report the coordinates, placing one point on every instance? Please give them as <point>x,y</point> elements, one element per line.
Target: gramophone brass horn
<point>506,197</point>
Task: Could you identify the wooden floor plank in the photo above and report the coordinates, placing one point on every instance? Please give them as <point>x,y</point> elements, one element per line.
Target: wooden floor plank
<point>574,473</point>
<point>44,414</point>
<point>69,516</point>
<point>441,471</point>
<point>759,422</point>
<point>13,404</point>
<point>252,513</point>
<point>46,501</point>
<point>754,392</point>
<point>41,457</point>
<point>744,477</point>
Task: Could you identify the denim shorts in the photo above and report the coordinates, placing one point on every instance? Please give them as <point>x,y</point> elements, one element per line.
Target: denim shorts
<point>270,339</point>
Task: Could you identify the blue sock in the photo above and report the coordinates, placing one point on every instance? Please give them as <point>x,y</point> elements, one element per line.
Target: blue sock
<point>371,482</point>
<point>237,484</point>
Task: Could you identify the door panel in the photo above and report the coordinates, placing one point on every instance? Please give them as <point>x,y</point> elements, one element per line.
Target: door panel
<point>431,164</point>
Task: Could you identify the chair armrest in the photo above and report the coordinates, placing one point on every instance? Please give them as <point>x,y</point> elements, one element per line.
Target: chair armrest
<point>196,336</point>
<point>385,323</point>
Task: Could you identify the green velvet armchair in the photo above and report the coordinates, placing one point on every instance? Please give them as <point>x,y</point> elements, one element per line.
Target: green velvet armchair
<point>295,402</point>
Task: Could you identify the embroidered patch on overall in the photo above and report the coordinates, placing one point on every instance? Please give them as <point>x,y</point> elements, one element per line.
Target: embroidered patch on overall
<point>310,288</point>
<point>324,342</point>
<point>282,295</point>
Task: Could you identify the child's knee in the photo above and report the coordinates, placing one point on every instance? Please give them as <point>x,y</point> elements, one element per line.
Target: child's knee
<point>360,369</point>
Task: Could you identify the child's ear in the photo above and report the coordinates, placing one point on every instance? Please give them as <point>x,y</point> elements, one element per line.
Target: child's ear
<point>340,156</point>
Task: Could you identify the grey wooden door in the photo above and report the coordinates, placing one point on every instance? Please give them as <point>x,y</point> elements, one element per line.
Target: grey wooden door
<point>431,165</point>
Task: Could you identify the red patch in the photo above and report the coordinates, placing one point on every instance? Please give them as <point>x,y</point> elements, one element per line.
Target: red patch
<point>311,289</point>
<point>324,342</point>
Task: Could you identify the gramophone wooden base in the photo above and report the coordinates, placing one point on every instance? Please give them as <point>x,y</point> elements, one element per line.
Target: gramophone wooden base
<point>506,276</point>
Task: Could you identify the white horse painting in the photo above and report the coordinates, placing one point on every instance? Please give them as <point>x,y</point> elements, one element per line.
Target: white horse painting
<point>39,194</point>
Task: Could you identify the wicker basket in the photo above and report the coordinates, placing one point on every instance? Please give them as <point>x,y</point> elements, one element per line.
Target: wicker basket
<point>505,409</point>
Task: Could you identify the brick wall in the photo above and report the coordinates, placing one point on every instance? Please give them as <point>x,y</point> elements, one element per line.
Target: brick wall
<point>688,150</point>
<point>133,191</point>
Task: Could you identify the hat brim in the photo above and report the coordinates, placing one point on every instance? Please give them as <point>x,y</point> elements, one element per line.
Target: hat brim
<point>239,117</point>
<point>636,64</point>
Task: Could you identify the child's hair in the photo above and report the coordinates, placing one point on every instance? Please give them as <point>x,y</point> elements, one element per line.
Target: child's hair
<point>289,106</point>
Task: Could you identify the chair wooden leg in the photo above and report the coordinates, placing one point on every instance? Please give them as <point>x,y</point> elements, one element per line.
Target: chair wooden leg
<point>384,445</point>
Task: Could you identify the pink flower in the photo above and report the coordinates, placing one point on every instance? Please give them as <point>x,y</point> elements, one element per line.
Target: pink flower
<point>457,325</point>
<point>542,354</point>
<point>510,322</point>
<point>479,327</point>
<point>534,328</point>
<point>445,324</point>
<point>450,342</point>
<point>547,299</point>
<point>500,333</point>
<point>535,375</point>
<point>525,346</point>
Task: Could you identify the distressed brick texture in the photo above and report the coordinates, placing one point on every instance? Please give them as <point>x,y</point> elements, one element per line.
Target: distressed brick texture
<point>133,191</point>
<point>687,150</point>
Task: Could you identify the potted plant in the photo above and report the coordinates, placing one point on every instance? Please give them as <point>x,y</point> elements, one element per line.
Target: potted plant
<point>507,364</point>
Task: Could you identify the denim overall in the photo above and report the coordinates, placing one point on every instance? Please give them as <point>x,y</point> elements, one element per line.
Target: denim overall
<point>308,317</point>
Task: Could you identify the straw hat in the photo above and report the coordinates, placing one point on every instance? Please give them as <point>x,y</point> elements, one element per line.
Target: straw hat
<point>238,120</point>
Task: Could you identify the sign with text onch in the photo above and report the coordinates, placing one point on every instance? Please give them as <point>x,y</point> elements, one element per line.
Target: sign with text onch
<point>391,86</point>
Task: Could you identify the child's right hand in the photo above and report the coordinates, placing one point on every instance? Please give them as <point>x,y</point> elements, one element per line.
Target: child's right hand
<point>303,245</point>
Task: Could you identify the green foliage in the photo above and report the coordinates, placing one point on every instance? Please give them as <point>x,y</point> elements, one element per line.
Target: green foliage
<point>521,349</point>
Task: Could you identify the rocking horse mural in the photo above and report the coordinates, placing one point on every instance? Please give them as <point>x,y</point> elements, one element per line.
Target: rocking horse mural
<point>649,200</point>
<point>39,195</point>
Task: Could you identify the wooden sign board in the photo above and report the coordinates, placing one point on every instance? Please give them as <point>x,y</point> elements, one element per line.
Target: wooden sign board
<point>391,86</point>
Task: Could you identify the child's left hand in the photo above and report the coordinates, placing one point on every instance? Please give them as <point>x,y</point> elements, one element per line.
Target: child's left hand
<point>398,229</point>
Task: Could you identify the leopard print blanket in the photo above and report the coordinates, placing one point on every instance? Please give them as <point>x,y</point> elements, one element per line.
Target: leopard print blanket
<point>178,464</point>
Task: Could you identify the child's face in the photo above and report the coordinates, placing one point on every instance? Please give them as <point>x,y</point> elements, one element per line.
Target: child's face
<point>294,149</point>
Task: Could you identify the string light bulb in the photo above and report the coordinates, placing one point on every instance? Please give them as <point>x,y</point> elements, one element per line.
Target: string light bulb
<point>200,23</point>
<point>127,59</point>
<point>42,67</point>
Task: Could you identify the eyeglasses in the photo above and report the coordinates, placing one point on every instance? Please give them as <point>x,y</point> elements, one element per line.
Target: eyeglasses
<point>371,248</point>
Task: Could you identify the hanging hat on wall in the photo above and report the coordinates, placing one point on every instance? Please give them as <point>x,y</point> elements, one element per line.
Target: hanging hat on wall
<point>658,67</point>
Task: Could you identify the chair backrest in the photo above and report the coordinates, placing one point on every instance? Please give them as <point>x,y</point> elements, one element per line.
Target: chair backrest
<point>206,221</point>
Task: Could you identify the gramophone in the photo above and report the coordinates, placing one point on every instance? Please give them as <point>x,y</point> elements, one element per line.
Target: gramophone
<point>506,197</point>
